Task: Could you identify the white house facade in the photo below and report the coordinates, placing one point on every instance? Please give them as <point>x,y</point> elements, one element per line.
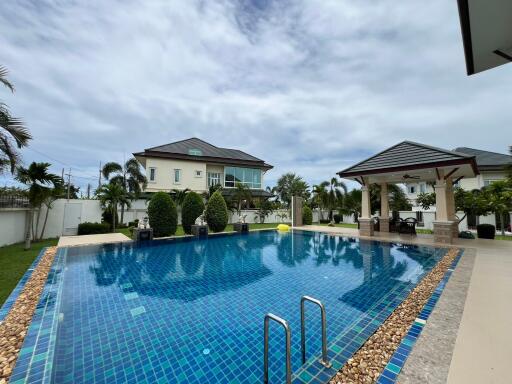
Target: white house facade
<point>198,165</point>
<point>491,166</point>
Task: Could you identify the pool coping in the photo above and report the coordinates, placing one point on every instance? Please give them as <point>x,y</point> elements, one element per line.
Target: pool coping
<point>35,360</point>
<point>13,296</point>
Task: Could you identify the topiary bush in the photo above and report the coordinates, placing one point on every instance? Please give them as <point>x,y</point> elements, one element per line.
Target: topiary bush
<point>162,214</point>
<point>486,231</point>
<point>337,218</point>
<point>216,213</point>
<point>191,209</point>
<point>307,216</point>
<point>93,228</point>
<point>466,235</point>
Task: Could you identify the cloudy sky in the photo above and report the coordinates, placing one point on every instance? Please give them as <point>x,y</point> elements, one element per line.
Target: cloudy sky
<point>309,86</point>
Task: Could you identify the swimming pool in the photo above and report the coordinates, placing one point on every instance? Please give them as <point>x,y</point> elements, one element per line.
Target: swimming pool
<point>191,310</point>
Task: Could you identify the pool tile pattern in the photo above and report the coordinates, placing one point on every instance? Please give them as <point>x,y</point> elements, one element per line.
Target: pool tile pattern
<point>179,326</point>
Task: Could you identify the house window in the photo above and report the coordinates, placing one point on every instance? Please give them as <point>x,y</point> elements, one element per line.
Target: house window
<point>199,173</point>
<point>213,179</point>
<point>177,176</point>
<point>195,152</point>
<point>412,189</point>
<point>247,176</point>
<point>152,174</point>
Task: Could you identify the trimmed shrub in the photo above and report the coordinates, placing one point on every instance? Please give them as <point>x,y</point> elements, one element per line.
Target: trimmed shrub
<point>216,213</point>
<point>191,209</point>
<point>162,214</point>
<point>466,235</point>
<point>337,218</point>
<point>133,223</point>
<point>486,231</point>
<point>307,215</point>
<point>106,217</point>
<point>93,228</point>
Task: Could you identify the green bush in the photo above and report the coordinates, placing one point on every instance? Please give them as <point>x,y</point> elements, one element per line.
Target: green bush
<point>106,217</point>
<point>486,231</point>
<point>337,218</point>
<point>162,214</point>
<point>93,228</point>
<point>307,216</point>
<point>191,209</point>
<point>217,213</point>
<point>466,235</point>
<point>134,223</point>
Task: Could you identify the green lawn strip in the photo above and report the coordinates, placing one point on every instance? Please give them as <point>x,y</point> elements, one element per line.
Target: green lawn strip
<point>342,225</point>
<point>14,261</point>
<point>506,237</point>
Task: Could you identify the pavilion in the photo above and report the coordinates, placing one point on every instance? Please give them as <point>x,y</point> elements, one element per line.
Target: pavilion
<point>409,160</point>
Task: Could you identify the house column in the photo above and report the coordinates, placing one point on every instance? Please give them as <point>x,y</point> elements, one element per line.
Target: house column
<point>443,225</point>
<point>450,200</point>
<point>365,221</point>
<point>384,208</point>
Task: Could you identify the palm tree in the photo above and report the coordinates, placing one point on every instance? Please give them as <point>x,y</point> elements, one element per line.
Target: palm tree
<point>241,194</point>
<point>11,129</point>
<point>129,177</point>
<point>38,180</point>
<point>336,190</point>
<point>110,196</point>
<point>320,197</point>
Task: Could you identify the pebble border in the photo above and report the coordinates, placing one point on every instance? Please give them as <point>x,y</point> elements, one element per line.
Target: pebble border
<point>383,355</point>
<point>13,328</point>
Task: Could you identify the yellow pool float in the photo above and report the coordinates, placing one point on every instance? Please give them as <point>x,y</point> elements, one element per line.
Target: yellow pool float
<point>283,227</point>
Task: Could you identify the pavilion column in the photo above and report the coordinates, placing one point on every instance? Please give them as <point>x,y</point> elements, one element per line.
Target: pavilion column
<point>365,221</point>
<point>384,208</point>
<point>443,225</point>
<point>450,199</point>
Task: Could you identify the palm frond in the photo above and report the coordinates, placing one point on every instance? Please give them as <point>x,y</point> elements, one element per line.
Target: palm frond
<point>111,167</point>
<point>3,79</point>
<point>12,157</point>
<point>14,127</point>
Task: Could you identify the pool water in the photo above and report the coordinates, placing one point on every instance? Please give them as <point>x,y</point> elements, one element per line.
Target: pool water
<point>191,311</point>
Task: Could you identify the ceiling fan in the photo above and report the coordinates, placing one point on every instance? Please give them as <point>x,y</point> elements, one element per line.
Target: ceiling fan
<point>406,176</point>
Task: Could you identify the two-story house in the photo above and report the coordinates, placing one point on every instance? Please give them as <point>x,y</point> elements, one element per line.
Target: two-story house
<point>492,167</point>
<point>198,165</point>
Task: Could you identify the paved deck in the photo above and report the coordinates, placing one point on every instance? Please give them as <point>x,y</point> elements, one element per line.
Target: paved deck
<point>69,241</point>
<point>483,347</point>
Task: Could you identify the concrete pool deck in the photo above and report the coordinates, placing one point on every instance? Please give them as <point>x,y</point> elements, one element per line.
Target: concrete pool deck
<point>483,347</point>
<point>70,241</point>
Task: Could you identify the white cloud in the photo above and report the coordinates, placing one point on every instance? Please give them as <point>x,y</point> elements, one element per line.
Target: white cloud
<point>309,86</point>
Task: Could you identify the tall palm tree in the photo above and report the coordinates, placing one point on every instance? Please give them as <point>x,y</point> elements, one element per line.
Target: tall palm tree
<point>111,195</point>
<point>12,131</point>
<point>320,197</point>
<point>39,182</point>
<point>129,176</point>
<point>335,192</point>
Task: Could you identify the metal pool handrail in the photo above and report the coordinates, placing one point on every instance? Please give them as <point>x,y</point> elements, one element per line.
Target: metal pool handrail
<point>324,360</point>
<point>284,324</point>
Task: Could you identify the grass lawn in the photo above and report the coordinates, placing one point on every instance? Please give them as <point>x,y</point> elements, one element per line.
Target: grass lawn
<point>14,261</point>
<point>229,228</point>
<point>506,237</point>
<point>343,225</point>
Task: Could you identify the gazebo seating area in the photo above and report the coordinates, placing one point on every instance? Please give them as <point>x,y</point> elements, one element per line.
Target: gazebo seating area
<point>400,163</point>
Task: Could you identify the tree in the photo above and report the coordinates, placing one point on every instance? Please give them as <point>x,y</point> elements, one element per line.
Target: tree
<point>241,194</point>
<point>289,185</point>
<point>129,176</point>
<point>39,182</point>
<point>335,192</point>
<point>352,204</point>
<point>54,193</point>
<point>193,207</point>
<point>320,197</point>
<point>499,199</point>
<point>162,214</point>
<point>216,212</point>
<point>12,131</point>
<point>265,208</point>
<point>307,215</point>
<point>73,191</point>
<point>110,196</point>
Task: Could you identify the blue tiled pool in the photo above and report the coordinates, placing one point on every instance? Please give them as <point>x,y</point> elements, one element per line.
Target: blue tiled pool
<point>191,311</point>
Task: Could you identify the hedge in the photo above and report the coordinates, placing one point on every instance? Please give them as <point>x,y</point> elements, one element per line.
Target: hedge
<point>106,217</point>
<point>191,209</point>
<point>216,213</point>
<point>337,218</point>
<point>93,228</point>
<point>307,216</point>
<point>162,214</point>
<point>486,231</point>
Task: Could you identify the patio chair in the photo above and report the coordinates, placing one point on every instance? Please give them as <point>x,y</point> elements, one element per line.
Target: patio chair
<point>408,226</point>
<point>394,224</point>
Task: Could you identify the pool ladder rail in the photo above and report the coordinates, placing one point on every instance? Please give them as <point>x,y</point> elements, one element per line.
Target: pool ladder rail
<point>269,316</point>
